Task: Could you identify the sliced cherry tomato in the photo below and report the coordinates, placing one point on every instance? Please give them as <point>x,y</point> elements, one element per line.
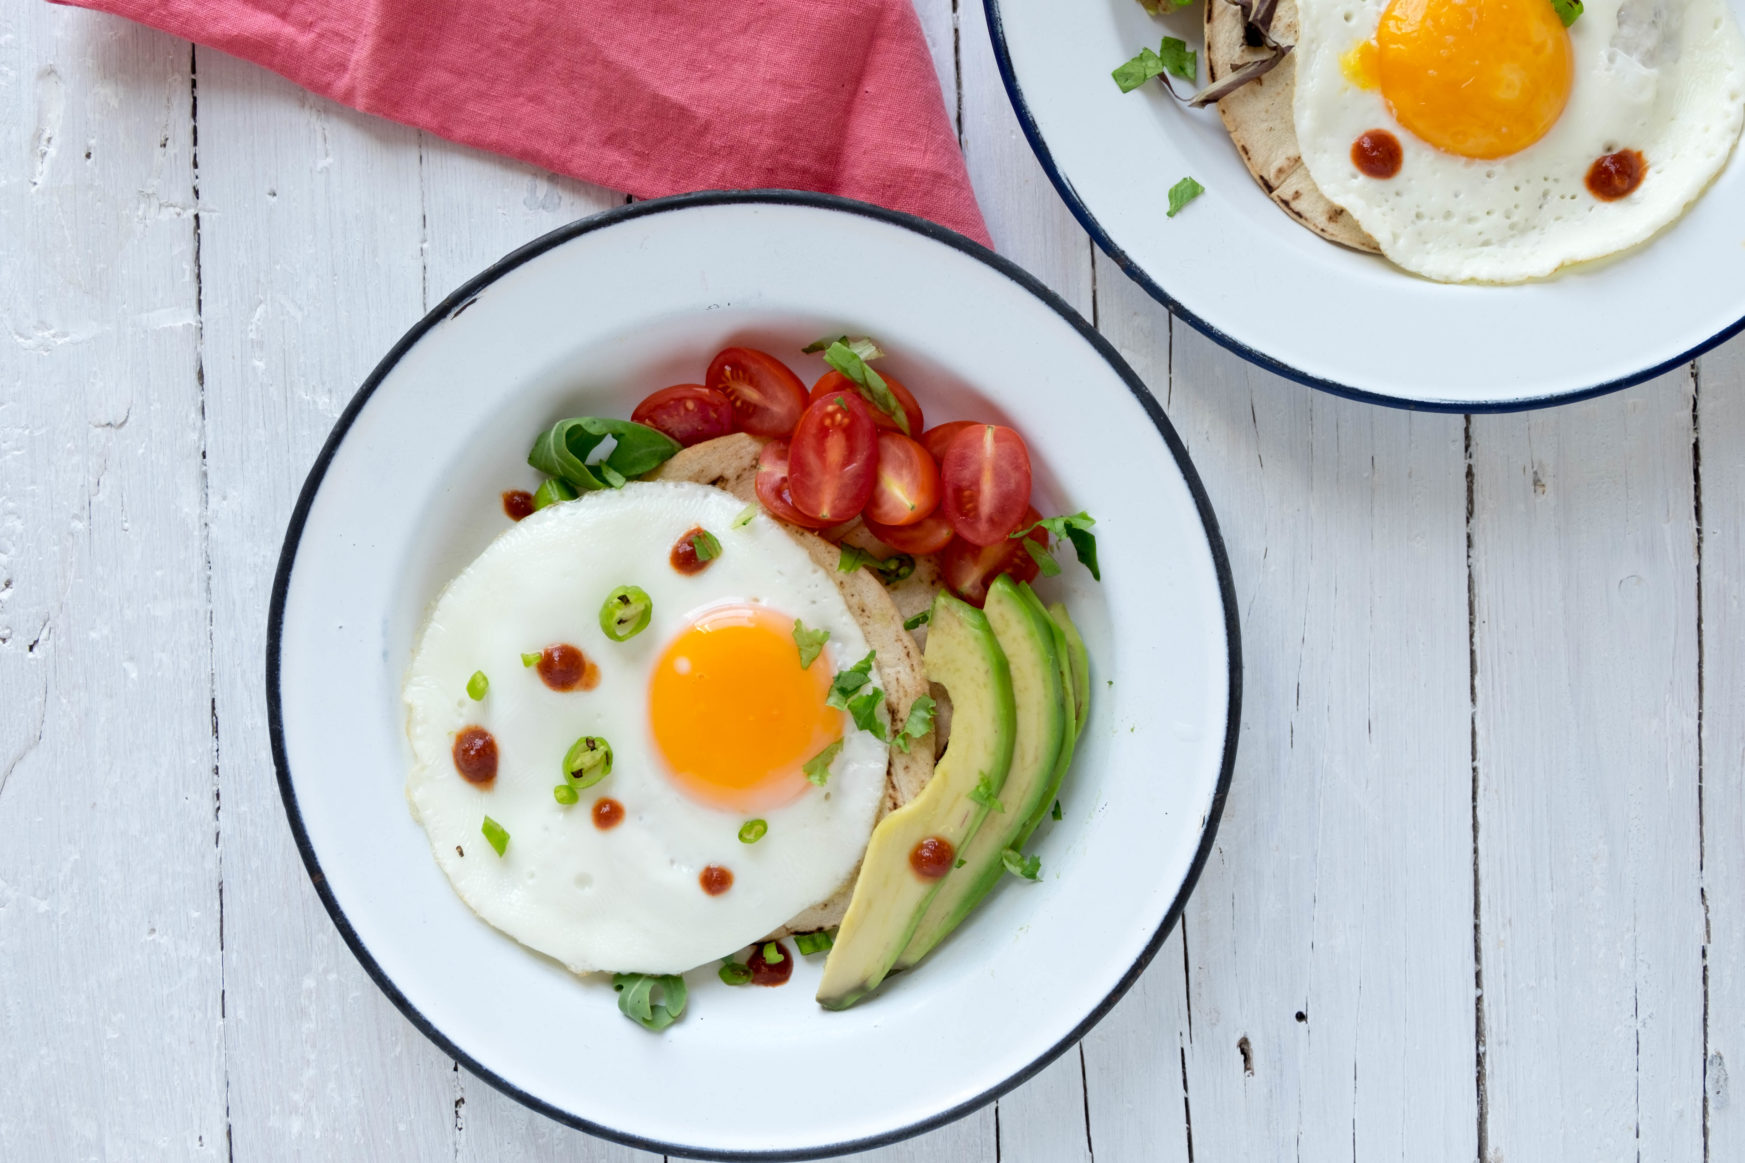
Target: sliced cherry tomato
<point>833,458</point>
<point>835,381</point>
<point>689,413</point>
<point>928,535</point>
<point>906,487</point>
<point>767,398</point>
<point>986,474</point>
<point>970,569</point>
<point>772,487</point>
<point>936,438</point>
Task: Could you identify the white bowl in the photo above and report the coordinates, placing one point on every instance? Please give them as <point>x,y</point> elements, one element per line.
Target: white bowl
<point>585,321</point>
<point>1237,268</point>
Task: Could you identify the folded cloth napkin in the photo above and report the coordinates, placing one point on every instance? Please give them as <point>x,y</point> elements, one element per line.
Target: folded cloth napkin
<point>648,96</point>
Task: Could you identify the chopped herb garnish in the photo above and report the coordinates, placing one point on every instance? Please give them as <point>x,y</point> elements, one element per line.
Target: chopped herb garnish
<point>1076,528</point>
<point>1044,560</point>
<point>562,451</point>
<point>752,831</point>
<point>772,953</point>
<point>1181,194</point>
<point>890,569</point>
<point>810,642</point>
<point>871,385</point>
<point>817,768</point>
<point>626,612</point>
<point>477,686</point>
<point>707,547</point>
<point>983,794</point>
<point>588,761</point>
<point>848,681</point>
<point>1172,56</point>
<point>496,834</point>
<point>960,862</point>
<point>819,942</point>
<point>919,620</point>
<point>1029,867</point>
<point>531,658</point>
<point>1056,812</point>
<point>745,516</point>
<point>636,999</point>
<point>551,492</point>
<point>864,707</point>
<point>1567,11</point>
<point>863,347</point>
<point>564,794</point>
<point>919,722</point>
<point>734,972</point>
<point>612,476</point>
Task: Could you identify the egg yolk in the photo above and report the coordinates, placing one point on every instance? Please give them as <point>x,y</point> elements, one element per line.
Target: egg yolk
<point>1474,78</point>
<point>733,714</point>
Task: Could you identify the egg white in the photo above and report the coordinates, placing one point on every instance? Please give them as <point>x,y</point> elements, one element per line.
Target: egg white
<point>626,899</point>
<point>1666,77</point>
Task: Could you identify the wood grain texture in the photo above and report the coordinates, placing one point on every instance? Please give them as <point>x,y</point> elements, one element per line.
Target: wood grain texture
<point>109,923</point>
<point>1720,421</point>
<point>1584,582</point>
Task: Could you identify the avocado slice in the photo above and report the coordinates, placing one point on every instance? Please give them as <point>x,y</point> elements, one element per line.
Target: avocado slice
<point>1035,649</point>
<point>1081,665</point>
<point>889,897</point>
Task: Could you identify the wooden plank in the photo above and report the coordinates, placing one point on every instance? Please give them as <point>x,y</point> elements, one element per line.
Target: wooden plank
<point>310,234</point>
<point>1329,944</point>
<point>1721,497</point>
<point>1584,581</point>
<point>109,922</point>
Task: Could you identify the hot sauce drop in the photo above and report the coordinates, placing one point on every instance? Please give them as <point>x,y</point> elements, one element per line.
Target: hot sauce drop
<point>564,668</point>
<point>932,857</point>
<point>1376,153</point>
<point>475,755</point>
<point>715,880</point>
<point>517,504</point>
<point>1616,175</point>
<point>684,555</point>
<point>770,973</point>
<point>608,813</point>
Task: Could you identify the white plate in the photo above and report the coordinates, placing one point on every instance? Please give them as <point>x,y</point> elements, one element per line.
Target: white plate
<point>585,321</point>
<point>1240,270</point>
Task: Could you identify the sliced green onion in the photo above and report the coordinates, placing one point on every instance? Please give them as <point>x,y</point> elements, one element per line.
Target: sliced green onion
<point>564,794</point>
<point>588,761</point>
<point>533,658</point>
<point>551,492</point>
<point>752,831</point>
<point>919,620</point>
<point>819,942</point>
<point>625,613</point>
<point>772,953</point>
<point>477,686</point>
<point>745,516</point>
<point>706,545</point>
<point>817,768</point>
<point>496,834</point>
<point>734,973</point>
<point>810,642</point>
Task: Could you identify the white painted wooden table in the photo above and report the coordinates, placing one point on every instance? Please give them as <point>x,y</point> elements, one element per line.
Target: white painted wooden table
<point>1480,886</point>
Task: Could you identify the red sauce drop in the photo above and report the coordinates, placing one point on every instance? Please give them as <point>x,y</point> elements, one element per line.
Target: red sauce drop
<point>564,668</point>
<point>475,755</point>
<point>1376,153</point>
<point>715,880</point>
<point>932,858</point>
<point>767,973</point>
<point>608,813</point>
<point>684,555</point>
<point>517,504</point>
<point>1616,175</point>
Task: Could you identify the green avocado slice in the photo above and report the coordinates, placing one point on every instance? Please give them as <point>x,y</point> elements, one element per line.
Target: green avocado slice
<point>889,898</point>
<point>1081,665</point>
<point>1036,651</point>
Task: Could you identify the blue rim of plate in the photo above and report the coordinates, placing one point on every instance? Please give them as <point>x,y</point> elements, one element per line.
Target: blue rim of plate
<point>1063,185</point>
<point>459,301</point>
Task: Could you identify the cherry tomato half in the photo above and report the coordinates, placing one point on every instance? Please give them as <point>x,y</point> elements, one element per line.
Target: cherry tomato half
<point>986,474</point>
<point>969,569</point>
<point>937,437</point>
<point>689,413</point>
<point>767,398</point>
<point>906,486</point>
<point>772,487</point>
<point>929,535</point>
<point>833,458</point>
<point>835,381</point>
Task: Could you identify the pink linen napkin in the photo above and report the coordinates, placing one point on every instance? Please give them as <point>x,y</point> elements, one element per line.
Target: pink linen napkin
<point>648,96</point>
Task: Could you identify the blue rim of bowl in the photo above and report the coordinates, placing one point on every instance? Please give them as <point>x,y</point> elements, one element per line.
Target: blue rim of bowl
<point>1063,185</point>
<point>459,301</point>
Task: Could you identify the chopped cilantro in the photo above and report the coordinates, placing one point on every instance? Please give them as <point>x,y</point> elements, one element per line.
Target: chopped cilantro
<point>1073,527</point>
<point>890,569</point>
<point>1029,867</point>
<point>848,681</point>
<point>919,620</point>
<point>1173,56</point>
<point>1567,11</point>
<point>919,722</point>
<point>984,794</point>
<point>817,768</point>
<point>1056,812</point>
<point>1181,194</point>
<point>865,709</point>
<point>810,642</point>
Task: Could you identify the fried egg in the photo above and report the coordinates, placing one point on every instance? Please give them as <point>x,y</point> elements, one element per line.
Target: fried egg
<point>1481,140</point>
<point>708,713</point>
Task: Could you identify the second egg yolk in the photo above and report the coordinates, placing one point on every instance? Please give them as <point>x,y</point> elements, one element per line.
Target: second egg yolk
<point>733,714</point>
<point>1474,78</point>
